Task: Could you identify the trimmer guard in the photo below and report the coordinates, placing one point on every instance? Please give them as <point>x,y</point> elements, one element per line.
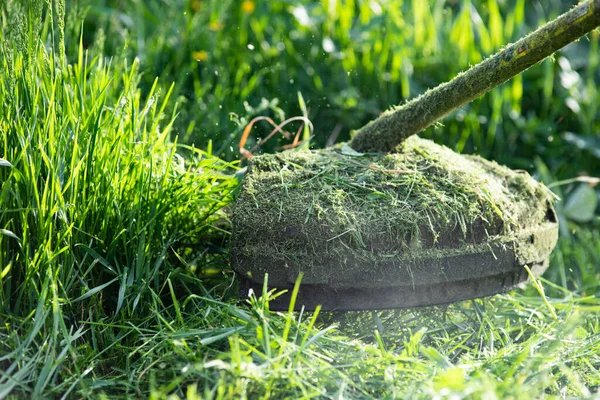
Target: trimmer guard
<point>419,227</point>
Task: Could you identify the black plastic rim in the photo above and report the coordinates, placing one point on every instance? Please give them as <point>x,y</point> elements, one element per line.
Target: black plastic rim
<point>356,299</point>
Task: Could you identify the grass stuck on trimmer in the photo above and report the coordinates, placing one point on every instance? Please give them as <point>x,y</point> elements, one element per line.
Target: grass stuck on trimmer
<point>393,221</point>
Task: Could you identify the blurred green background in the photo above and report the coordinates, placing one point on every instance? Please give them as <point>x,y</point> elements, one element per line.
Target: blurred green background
<point>351,59</point>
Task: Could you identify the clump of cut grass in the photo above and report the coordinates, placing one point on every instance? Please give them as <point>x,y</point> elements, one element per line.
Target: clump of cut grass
<point>337,208</point>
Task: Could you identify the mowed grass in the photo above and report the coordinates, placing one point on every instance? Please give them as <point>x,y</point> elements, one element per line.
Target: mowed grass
<point>113,236</point>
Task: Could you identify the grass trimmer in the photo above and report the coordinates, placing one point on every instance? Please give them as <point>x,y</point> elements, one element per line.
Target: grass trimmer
<point>391,220</point>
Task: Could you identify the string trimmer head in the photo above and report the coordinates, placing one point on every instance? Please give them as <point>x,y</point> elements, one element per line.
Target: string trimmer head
<point>393,221</point>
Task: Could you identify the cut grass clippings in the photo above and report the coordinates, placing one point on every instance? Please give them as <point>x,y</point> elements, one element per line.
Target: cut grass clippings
<point>352,220</point>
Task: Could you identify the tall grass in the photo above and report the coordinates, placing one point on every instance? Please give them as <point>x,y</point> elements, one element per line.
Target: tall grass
<point>97,208</point>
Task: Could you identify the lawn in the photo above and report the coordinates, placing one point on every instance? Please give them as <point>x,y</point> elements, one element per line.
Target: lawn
<point>120,126</point>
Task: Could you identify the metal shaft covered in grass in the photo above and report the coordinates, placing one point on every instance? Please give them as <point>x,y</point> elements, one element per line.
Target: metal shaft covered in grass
<point>394,126</point>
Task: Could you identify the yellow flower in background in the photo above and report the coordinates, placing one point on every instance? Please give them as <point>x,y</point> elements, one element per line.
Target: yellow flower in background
<point>248,6</point>
<point>215,26</point>
<point>196,5</point>
<point>200,55</point>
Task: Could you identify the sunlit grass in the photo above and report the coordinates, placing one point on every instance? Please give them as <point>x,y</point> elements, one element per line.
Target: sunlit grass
<point>96,203</point>
<point>114,280</point>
